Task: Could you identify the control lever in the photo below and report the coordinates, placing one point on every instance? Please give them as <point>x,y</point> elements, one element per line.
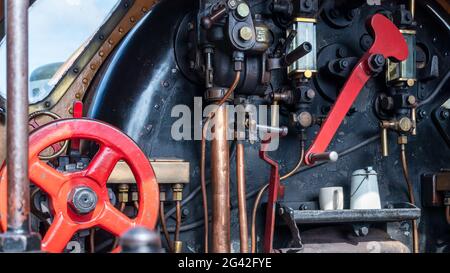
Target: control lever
<point>388,43</point>
<point>288,59</point>
<point>209,21</point>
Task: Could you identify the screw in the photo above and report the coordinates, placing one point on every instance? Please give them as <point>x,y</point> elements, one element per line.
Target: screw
<point>422,114</point>
<point>307,4</point>
<point>186,212</point>
<point>445,114</point>
<point>342,52</point>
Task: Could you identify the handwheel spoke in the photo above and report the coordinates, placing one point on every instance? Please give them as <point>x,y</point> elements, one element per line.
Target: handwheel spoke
<point>46,178</point>
<point>56,147</point>
<point>102,165</point>
<point>115,221</point>
<point>58,235</point>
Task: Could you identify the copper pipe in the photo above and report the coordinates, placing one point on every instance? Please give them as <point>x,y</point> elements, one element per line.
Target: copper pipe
<point>17,117</point>
<point>242,202</point>
<point>203,185</point>
<point>164,226</point>
<point>411,196</point>
<point>203,161</point>
<point>255,210</point>
<point>178,221</point>
<point>92,240</point>
<point>220,183</point>
<point>412,8</point>
<point>447,214</point>
<point>123,205</point>
<point>299,164</point>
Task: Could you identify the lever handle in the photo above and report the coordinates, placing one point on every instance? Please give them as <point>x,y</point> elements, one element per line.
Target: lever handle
<point>328,156</point>
<point>388,43</point>
<point>209,21</point>
<point>298,53</point>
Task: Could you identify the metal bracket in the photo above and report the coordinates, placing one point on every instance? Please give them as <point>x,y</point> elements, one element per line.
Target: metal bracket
<point>287,214</point>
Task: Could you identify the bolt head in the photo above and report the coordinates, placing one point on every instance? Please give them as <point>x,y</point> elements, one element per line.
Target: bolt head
<point>405,124</point>
<point>305,119</point>
<point>83,200</point>
<point>445,114</point>
<point>310,94</point>
<point>243,10</point>
<point>412,100</point>
<point>246,33</point>
<point>232,4</point>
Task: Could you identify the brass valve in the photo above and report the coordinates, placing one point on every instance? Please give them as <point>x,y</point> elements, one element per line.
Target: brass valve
<point>403,126</point>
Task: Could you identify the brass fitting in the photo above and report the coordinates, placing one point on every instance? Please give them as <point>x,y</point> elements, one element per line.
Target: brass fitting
<point>402,140</point>
<point>177,192</point>
<point>384,142</point>
<point>414,121</point>
<point>123,193</point>
<point>162,194</point>
<point>404,125</point>
<point>134,196</point>
<point>178,247</point>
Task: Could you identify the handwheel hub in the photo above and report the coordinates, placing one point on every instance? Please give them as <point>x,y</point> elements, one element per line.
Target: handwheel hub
<point>83,200</point>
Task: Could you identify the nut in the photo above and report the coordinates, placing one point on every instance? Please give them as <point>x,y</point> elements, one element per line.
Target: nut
<point>402,140</point>
<point>83,200</point>
<point>246,33</point>
<point>177,192</point>
<point>123,193</point>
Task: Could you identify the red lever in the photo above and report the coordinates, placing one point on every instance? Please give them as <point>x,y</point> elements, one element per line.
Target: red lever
<point>389,43</point>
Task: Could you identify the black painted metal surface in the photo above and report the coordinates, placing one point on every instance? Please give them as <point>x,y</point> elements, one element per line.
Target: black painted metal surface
<point>138,88</point>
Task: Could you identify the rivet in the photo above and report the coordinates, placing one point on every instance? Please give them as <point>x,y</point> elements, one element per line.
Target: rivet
<point>132,19</point>
<point>77,95</point>
<point>101,53</point>
<point>121,30</point>
<point>144,9</point>
<point>85,81</point>
<point>71,111</point>
<point>93,66</point>
<point>111,41</point>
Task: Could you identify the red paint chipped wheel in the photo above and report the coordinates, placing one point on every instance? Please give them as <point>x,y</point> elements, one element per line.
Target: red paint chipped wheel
<point>60,187</point>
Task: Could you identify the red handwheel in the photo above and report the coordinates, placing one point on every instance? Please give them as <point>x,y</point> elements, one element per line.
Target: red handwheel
<point>80,200</point>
